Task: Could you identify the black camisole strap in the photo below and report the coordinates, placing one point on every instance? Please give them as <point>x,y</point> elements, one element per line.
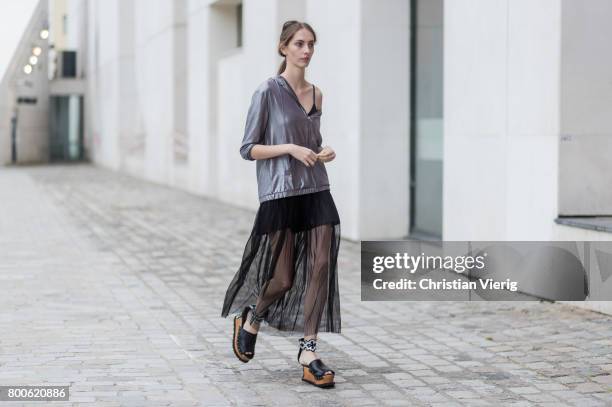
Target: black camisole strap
<point>314,103</point>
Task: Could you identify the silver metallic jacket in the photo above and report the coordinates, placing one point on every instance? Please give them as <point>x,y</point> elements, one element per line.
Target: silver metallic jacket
<point>277,117</point>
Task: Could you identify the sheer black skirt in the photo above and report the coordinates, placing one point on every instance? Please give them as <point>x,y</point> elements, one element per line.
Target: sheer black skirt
<point>289,265</point>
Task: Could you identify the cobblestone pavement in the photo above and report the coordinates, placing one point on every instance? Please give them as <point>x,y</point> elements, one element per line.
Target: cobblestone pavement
<point>114,286</point>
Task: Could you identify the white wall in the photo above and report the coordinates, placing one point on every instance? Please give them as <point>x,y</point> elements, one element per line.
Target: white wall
<point>132,138</point>
<point>213,29</point>
<point>153,41</point>
<point>103,83</point>
<point>585,170</point>
<point>501,119</point>
<point>335,69</point>
<point>384,115</point>
<point>137,88</point>
<point>502,124</point>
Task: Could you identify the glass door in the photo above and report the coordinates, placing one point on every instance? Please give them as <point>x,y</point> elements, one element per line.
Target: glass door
<point>66,128</point>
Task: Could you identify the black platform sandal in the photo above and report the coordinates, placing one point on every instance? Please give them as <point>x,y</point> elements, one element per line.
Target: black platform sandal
<point>316,372</point>
<point>243,342</point>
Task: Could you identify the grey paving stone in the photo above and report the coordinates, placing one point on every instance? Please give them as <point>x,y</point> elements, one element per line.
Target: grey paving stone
<point>116,286</point>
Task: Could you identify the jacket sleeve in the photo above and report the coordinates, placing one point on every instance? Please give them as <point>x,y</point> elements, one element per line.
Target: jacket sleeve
<point>256,123</point>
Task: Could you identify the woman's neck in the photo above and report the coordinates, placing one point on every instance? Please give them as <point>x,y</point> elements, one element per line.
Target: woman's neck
<point>295,77</point>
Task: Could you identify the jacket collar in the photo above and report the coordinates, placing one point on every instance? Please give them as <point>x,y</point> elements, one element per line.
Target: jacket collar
<point>283,82</point>
<point>285,85</point>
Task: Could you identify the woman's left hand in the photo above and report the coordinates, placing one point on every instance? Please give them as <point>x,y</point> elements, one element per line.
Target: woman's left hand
<point>327,154</point>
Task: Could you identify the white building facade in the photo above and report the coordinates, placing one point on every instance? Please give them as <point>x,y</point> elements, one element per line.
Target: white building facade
<point>448,118</point>
<point>169,84</point>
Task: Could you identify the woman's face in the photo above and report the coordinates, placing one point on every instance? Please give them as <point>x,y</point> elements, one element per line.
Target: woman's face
<point>300,48</point>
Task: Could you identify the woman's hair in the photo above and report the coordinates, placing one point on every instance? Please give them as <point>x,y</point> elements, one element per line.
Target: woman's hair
<point>287,33</point>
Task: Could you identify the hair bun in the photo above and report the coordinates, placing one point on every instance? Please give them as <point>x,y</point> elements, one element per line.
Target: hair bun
<point>288,23</point>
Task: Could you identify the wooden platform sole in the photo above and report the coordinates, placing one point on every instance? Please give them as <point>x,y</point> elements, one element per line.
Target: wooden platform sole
<point>237,326</point>
<point>325,382</point>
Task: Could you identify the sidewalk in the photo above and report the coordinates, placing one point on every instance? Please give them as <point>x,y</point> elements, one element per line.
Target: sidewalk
<point>114,286</point>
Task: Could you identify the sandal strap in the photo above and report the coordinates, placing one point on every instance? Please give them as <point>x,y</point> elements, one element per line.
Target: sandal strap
<point>308,344</point>
<point>246,342</point>
<point>318,368</point>
<point>255,319</point>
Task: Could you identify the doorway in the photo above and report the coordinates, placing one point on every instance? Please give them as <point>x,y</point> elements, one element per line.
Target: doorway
<point>66,128</point>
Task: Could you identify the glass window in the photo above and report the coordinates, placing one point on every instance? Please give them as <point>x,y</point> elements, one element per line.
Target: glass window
<point>426,117</point>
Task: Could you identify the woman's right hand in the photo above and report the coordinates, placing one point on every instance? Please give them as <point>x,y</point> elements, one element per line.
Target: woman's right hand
<point>304,154</point>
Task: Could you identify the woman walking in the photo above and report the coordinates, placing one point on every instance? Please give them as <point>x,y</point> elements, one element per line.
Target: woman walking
<point>288,275</point>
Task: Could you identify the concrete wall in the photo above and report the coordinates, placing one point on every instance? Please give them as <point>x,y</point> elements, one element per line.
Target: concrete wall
<point>77,32</point>
<point>137,88</point>
<point>384,90</point>
<point>103,92</point>
<point>32,124</point>
<point>585,170</point>
<point>501,119</point>
<point>503,122</point>
<point>57,10</point>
